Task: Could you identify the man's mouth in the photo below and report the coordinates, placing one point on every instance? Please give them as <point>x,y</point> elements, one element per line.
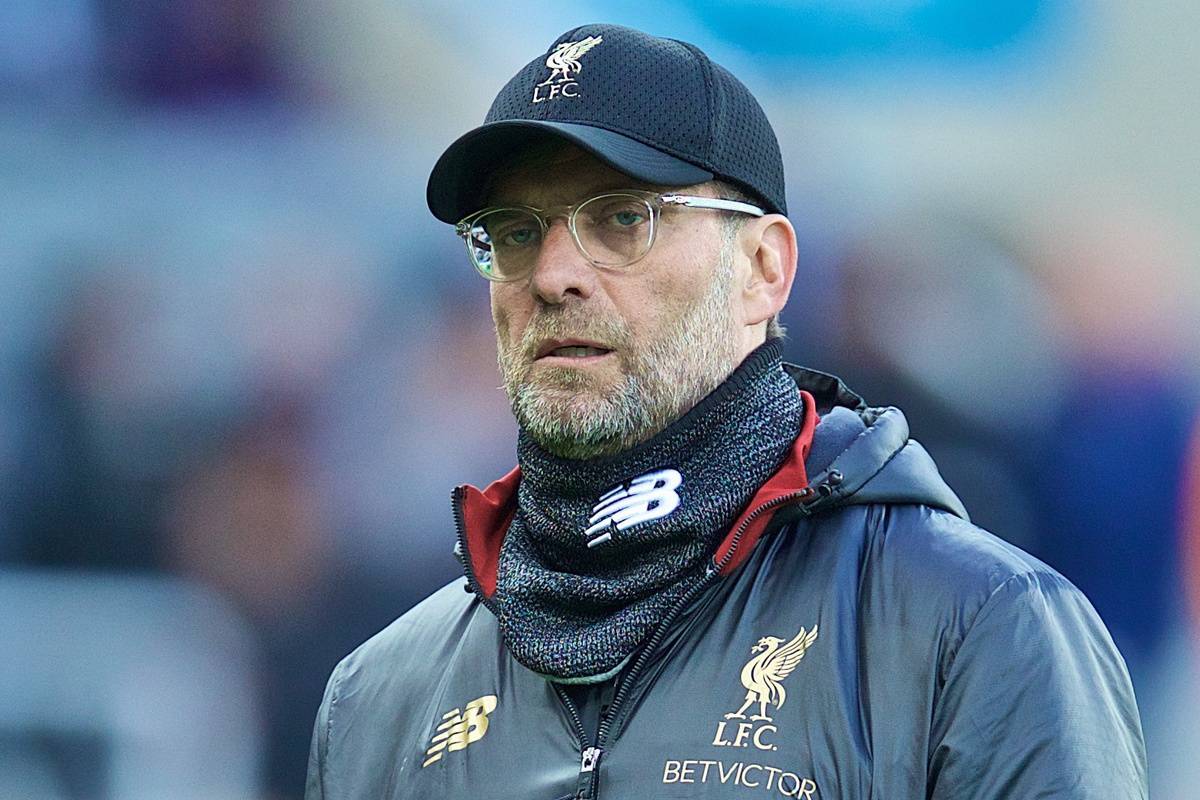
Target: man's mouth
<point>571,349</point>
<point>577,351</point>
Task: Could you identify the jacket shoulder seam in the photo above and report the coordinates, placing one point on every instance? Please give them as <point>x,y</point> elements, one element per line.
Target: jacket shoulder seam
<point>334,694</point>
<point>992,601</point>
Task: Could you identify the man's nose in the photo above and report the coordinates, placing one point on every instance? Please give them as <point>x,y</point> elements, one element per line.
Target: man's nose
<point>561,270</point>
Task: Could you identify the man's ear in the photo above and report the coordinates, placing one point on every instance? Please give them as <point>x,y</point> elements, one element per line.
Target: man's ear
<point>769,242</point>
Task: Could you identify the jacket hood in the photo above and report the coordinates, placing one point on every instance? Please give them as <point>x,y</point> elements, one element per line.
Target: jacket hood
<point>862,454</point>
<point>847,453</point>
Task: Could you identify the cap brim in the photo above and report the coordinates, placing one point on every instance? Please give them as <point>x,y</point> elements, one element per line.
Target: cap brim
<point>460,177</point>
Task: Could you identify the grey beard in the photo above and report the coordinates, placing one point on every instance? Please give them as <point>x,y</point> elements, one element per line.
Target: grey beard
<point>662,380</point>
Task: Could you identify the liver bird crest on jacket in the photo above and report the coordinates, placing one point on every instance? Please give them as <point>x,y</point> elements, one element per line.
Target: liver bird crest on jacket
<point>764,673</point>
<point>565,59</point>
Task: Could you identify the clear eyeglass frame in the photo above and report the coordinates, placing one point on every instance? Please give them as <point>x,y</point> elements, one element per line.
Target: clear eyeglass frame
<point>481,252</point>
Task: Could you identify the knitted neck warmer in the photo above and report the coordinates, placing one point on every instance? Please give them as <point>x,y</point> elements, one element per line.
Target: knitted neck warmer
<point>652,515</point>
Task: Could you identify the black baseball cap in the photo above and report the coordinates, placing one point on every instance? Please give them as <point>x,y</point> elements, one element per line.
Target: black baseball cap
<point>658,110</point>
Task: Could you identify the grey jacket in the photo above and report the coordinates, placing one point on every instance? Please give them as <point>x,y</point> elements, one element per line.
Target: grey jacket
<point>856,638</point>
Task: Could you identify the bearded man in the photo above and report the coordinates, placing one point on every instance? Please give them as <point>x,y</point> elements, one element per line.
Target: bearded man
<point>712,574</point>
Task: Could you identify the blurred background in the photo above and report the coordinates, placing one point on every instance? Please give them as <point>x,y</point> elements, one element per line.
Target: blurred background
<point>241,366</point>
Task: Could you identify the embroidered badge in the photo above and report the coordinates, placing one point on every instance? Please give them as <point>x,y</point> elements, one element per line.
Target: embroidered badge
<point>763,676</point>
<point>564,67</point>
<point>772,660</point>
<point>764,673</point>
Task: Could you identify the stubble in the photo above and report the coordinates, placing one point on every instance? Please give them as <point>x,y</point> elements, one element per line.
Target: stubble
<point>574,414</point>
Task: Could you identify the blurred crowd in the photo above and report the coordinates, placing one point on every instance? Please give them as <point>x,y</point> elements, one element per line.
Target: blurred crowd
<point>241,367</point>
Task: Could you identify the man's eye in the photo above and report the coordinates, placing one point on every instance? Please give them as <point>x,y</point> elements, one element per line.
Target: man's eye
<point>627,219</point>
<point>519,237</point>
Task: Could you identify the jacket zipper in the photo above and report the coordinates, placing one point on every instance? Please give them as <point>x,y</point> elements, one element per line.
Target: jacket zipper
<point>589,772</point>
<point>585,785</point>
<point>590,755</point>
<point>464,555</point>
<point>655,639</point>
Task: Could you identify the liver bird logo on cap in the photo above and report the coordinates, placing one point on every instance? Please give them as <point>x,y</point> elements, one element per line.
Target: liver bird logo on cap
<point>564,61</point>
<point>763,674</point>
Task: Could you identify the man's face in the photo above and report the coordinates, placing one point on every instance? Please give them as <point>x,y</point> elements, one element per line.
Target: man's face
<point>596,360</point>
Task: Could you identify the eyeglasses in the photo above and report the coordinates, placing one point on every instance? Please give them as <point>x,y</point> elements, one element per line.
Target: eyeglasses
<point>611,230</point>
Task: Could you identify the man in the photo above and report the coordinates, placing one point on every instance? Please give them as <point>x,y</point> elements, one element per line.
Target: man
<point>712,575</point>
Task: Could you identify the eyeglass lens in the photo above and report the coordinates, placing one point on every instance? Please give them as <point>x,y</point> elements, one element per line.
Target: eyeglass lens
<point>612,230</point>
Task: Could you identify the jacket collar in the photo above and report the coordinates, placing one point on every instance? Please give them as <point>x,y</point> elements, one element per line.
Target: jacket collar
<point>827,390</point>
